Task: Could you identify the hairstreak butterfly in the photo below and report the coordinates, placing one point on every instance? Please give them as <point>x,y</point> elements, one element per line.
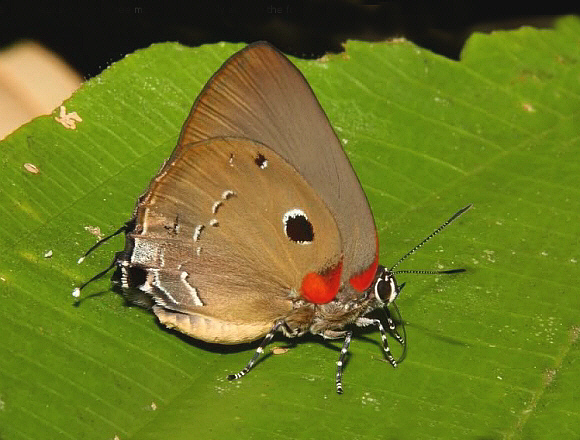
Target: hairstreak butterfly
<point>257,223</point>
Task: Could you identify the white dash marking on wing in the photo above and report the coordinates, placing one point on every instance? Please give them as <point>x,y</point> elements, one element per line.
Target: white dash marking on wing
<point>197,232</point>
<point>216,206</point>
<point>227,194</point>
<point>192,290</point>
<point>157,283</point>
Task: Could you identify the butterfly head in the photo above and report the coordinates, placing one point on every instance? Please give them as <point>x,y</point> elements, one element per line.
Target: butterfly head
<point>385,288</point>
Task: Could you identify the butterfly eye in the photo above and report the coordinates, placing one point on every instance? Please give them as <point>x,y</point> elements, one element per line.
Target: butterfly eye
<point>386,290</point>
<point>381,290</point>
<point>297,227</point>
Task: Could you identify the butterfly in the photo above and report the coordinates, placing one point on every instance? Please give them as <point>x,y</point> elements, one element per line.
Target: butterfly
<point>257,223</point>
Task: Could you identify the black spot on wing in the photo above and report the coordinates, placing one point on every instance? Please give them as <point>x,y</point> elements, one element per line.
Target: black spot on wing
<point>261,161</point>
<point>298,228</point>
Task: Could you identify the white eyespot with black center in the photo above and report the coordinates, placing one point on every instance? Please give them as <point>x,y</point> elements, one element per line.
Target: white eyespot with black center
<point>297,227</point>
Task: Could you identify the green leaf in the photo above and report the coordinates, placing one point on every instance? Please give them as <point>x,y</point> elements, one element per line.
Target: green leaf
<point>493,352</point>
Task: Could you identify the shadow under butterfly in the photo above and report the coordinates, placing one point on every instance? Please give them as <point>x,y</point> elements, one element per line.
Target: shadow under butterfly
<point>257,223</point>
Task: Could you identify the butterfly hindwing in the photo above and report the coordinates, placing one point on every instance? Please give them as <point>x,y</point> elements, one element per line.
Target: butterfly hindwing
<point>227,233</point>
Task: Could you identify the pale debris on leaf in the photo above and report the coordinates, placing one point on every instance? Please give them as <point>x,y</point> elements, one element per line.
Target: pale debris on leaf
<point>95,230</point>
<point>68,120</point>
<point>31,168</point>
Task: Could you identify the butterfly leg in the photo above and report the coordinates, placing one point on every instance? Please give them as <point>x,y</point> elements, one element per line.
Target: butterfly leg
<point>258,352</point>
<point>363,322</point>
<point>347,335</point>
<point>340,362</point>
<point>392,328</point>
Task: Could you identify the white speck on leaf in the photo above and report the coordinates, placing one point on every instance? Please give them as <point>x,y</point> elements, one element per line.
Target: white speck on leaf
<point>528,107</point>
<point>490,255</point>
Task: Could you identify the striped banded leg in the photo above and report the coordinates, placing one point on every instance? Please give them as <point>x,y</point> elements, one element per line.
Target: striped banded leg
<point>363,322</point>
<point>340,362</point>
<point>258,352</point>
<point>386,348</point>
<point>400,337</point>
<point>393,330</point>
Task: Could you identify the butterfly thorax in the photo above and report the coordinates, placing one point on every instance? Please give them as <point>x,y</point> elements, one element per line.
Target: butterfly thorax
<point>345,309</point>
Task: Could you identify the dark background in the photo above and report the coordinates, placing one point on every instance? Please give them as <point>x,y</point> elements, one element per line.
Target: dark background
<point>90,38</point>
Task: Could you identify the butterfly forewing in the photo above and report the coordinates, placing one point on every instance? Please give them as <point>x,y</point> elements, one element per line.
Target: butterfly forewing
<point>258,94</point>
